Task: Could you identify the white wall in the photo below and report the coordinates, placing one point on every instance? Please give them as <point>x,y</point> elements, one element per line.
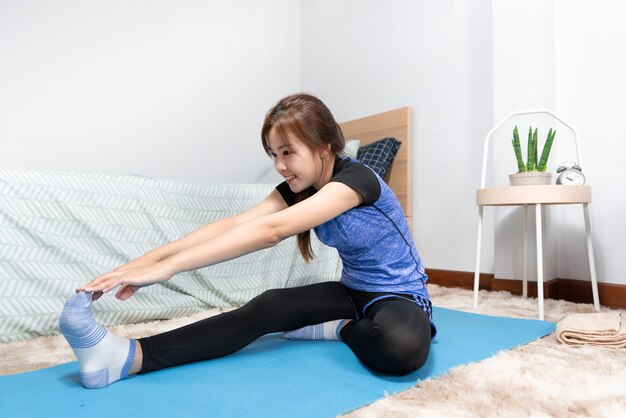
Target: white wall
<point>462,66</point>
<point>564,55</point>
<point>364,57</point>
<point>523,78</point>
<point>172,89</point>
<point>176,89</point>
<point>590,91</point>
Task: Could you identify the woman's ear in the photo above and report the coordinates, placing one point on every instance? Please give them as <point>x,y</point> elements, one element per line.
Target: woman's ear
<point>327,150</point>
<point>324,152</point>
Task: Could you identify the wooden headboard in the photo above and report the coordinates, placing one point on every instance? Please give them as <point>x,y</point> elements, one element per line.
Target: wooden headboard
<point>397,124</point>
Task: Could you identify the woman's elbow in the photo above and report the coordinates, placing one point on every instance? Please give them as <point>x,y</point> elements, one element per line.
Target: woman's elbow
<point>271,237</point>
<point>274,235</point>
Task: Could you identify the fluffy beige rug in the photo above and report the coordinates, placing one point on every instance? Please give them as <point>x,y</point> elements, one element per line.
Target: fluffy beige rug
<point>540,379</point>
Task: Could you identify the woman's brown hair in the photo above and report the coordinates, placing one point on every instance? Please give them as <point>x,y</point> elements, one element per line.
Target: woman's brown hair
<point>307,118</point>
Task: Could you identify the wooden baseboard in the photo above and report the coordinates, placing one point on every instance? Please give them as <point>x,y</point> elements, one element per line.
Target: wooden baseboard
<point>578,291</point>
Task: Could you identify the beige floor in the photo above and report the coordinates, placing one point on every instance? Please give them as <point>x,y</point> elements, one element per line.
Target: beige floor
<point>541,379</point>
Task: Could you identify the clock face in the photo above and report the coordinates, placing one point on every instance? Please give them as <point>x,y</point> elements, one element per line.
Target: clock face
<point>571,176</point>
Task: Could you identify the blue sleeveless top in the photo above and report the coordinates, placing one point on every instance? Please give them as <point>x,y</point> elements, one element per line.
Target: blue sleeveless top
<point>373,239</point>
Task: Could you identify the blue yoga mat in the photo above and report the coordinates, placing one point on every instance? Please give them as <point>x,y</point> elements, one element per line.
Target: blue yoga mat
<point>271,377</point>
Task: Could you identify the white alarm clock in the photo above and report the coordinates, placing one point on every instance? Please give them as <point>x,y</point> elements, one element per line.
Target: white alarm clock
<point>570,173</point>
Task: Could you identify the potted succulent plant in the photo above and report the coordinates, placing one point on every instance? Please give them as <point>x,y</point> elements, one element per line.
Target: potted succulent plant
<point>533,172</point>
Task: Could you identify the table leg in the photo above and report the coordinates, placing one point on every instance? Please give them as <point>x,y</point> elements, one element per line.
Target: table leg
<point>478,241</point>
<point>525,266</point>
<point>592,263</point>
<point>539,259</point>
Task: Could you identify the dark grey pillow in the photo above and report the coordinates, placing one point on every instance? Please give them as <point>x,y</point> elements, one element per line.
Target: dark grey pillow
<point>379,155</point>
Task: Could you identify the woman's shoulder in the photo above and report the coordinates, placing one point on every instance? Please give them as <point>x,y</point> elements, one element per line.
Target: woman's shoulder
<point>358,177</point>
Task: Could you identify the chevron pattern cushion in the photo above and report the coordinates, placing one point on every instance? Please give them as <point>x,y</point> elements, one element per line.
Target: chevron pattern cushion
<point>59,229</point>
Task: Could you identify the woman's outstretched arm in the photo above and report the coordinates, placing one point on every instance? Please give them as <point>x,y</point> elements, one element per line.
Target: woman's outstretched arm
<point>271,204</point>
<point>249,236</point>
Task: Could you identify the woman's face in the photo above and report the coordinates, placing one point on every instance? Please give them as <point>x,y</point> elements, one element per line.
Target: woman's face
<point>300,166</point>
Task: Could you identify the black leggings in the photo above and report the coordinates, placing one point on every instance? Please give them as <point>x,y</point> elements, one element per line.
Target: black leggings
<point>393,337</point>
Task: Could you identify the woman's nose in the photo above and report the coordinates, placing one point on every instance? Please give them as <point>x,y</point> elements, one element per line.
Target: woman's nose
<point>279,164</point>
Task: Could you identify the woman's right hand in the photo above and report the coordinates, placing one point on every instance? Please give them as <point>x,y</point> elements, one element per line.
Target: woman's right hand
<point>129,280</point>
<point>143,261</point>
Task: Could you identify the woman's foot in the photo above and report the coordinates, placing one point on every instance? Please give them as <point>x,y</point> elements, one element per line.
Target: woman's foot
<point>104,357</point>
<point>324,331</point>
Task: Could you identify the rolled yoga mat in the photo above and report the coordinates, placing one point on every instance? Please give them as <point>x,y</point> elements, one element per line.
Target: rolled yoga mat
<point>271,377</point>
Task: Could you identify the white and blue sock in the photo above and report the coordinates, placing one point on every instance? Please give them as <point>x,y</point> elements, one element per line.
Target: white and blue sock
<point>104,357</point>
<point>324,331</point>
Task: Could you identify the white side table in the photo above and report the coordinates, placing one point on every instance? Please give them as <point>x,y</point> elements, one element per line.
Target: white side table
<point>537,196</point>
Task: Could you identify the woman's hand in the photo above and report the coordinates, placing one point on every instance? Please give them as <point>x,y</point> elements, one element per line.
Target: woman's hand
<point>129,278</point>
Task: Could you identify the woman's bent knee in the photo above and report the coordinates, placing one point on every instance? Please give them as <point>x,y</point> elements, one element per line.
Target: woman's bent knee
<point>401,356</point>
<point>397,340</point>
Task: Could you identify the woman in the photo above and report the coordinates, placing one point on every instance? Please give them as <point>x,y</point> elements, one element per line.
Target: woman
<point>380,309</point>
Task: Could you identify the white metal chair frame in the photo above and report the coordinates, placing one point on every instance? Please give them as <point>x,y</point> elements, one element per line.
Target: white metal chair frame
<point>538,206</point>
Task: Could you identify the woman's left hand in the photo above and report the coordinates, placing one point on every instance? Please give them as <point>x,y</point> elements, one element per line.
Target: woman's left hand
<point>130,280</point>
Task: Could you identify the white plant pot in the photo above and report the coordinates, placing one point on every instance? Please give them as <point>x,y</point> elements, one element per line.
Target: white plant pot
<point>531,178</point>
